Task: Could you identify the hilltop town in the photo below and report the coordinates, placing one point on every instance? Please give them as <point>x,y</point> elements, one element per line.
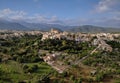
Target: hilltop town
<point>55,34</point>
<point>96,38</point>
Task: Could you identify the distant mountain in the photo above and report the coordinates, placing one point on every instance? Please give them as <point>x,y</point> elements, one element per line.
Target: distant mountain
<point>11,26</point>
<point>46,27</point>
<point>93,29</point>
<point>29,26</point>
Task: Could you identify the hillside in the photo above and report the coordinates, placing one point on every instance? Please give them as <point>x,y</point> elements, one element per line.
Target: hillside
<point>24,60</point>
<point>41,26</point>
<point>93,29</point>
<point>11,26</point>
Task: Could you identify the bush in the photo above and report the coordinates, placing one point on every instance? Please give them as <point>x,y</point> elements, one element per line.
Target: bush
<point>30,69</point>
<point>20,60</point>
<point>100,76</point>
<point>64,74</point>
<point>25,67</point>
<point>0,59</point>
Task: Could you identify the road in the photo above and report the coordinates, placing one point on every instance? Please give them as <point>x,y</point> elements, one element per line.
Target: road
<point>77,62</point>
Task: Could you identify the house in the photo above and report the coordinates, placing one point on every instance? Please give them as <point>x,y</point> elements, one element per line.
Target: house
<point>106,47</point>
<point>49,58</point>
<point>93,72</point>
<point>54,31</point>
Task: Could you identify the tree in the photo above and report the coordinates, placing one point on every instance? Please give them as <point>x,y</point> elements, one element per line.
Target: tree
<point>64,74</point>
<point>79,80</point>
<point>99,76</point>
<point>25,67</point>
<point>20,60</point>
<point>0,59</point>
<point>64,42</point>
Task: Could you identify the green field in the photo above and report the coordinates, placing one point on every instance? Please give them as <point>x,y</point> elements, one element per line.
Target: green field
<point>13,72</point>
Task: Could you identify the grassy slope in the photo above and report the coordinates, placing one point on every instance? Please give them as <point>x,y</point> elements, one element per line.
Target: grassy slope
<point>15,73</point>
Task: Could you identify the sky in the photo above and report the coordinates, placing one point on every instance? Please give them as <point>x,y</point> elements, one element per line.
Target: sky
<point>64,12</point>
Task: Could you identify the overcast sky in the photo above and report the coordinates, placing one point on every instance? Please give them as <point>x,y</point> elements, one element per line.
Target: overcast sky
<point>68,12</point>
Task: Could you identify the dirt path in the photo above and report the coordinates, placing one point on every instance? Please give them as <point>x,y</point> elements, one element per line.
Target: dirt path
<point>79,61</point>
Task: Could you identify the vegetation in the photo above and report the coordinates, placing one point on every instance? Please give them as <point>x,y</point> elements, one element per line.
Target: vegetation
<point>20,61</point>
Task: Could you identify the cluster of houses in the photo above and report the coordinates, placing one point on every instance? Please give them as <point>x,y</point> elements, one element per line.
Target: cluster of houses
<point>96,38</point>
<point>53,34</point>
<point>102,45</point>
<point>51,59</point>
<point>4,34</point>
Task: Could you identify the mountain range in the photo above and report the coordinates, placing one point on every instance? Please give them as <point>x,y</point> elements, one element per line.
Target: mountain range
<point>93,29</point>
<point>10,25</point>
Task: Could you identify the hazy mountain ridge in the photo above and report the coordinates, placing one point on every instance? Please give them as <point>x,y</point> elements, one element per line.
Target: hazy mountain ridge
<point>93,29</point>
<point>46,27</point>
<point>42,26</point>
<point>11,26</point>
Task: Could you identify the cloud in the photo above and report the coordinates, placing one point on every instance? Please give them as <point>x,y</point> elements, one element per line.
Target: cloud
<point>106,5</point>
<point>106,21</point>
<point>10,14</point>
